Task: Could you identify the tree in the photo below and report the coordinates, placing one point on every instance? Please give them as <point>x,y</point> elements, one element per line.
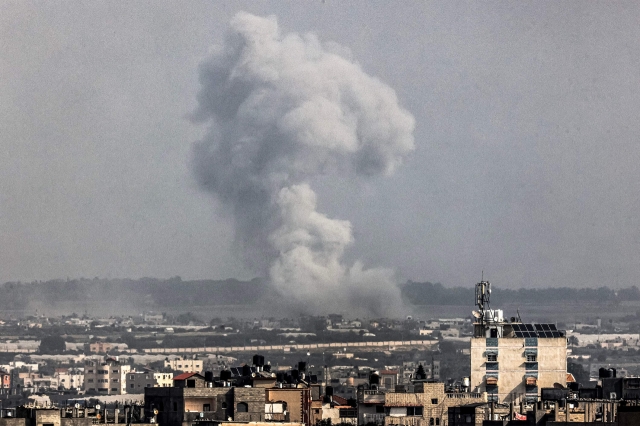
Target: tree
<point>578,371</point>
<point>573,341</point>
<point>52,345</point>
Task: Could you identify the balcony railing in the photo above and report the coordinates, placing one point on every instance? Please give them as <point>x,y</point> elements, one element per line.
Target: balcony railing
<point>373,418</point>
<point>464,395</point>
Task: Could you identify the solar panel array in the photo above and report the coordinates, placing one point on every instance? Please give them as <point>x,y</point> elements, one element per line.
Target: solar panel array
<point>536,330</point>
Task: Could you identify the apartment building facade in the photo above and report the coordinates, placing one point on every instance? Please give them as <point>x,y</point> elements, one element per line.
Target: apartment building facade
<point>105,376</point>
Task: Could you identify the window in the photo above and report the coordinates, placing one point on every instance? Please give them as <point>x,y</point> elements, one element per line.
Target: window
<point>132,377</point>
<point>206,407</point>
<point>115,371</point>
<point>175,406</point>
<point>431,421</point>
<point>532,358</point>
<point>414,411</point>
<point>437,421</point>
<point>90,371</point>
<point>434,401</point>
<point>492,357</point>
<point>191,383</point>
<point>132,386</point>
<point>114,389</point>
<point>243,407</point>
<point>90,380</point>
<point>224,405</point>
<point>114,380</point>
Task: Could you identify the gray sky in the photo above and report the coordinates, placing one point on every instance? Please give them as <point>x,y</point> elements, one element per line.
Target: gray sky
<point>526,159</point>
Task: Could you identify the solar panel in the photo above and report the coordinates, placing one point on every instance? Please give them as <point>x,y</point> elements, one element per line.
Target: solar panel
<point>538,327</point>
<point>553,327</point>
<point>529,327</point>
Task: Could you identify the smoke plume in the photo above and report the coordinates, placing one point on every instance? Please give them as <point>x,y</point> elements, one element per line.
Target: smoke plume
<point>283,108</point>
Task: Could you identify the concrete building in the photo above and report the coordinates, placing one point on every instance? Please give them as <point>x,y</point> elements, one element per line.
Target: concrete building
<point>429,404</point>
<point>5,382</point>
<point>138,380</point>
<point>186,365</point>
<point>510,360</point>
<point>105,377</point>
<point>70,378</point>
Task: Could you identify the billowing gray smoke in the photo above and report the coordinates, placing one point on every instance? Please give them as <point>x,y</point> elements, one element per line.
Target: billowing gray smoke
<point>284,108</point>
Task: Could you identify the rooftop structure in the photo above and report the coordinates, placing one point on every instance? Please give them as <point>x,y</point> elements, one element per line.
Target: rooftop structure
<point>511,360</point>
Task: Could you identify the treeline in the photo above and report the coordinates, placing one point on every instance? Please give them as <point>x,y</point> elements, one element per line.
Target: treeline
<point>436,294</point>
<point>145,292</point>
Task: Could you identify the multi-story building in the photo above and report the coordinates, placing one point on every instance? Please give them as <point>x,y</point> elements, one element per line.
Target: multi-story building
<point>512,361</point>
<point>106,377</point>
<point>70,378</point>
<point>429,404</point>
<point>5,382</point>
<point>256,398</point>
<point>138,380</point>
<point>186,365</point>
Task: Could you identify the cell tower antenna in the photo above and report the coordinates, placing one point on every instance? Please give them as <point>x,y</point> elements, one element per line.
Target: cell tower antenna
<point>483,296</point>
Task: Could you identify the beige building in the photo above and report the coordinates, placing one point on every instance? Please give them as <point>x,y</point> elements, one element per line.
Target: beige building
<point>512,361</point>
<point>186,365</point>
<point>429,404</point>
<point>106,377</point>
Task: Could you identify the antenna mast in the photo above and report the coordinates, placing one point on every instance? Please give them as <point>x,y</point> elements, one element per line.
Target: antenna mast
<point>483,295</point>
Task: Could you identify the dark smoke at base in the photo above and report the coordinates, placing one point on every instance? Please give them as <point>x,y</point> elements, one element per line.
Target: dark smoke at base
<point>282,109</point>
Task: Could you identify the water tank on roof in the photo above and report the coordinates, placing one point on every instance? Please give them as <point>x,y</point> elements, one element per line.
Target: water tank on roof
<point>246,370</point>
<point>225,375</point>
<point>302,366</point>
<point>374,379</point>
<point>208,376</point>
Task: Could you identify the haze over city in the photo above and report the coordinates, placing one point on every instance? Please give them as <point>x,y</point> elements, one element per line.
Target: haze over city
<point>513,144</point>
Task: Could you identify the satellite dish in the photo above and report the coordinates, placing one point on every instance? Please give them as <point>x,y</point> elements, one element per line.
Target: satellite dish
<point>155,411</point>
<point>98,416</point>
<point>77,405</point>
<point>97,406</point>
<point>476,314</point>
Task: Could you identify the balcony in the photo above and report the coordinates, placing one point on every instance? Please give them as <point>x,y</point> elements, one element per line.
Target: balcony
<point>372,397</point>
<point>465,395</point>
<point>404,421</point>
<point>194,416</point>
<point>373,418</point>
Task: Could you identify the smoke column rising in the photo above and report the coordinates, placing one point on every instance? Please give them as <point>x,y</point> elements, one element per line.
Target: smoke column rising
<point>282,109</point>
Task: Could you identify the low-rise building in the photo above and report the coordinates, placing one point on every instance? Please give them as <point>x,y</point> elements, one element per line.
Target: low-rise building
<point>186,365</point>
